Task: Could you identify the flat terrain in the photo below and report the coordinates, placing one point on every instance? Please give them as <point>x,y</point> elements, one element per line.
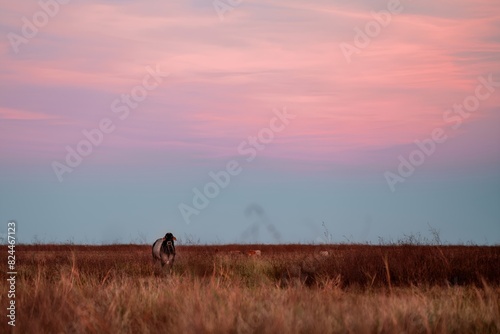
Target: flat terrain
<point>288,289</point>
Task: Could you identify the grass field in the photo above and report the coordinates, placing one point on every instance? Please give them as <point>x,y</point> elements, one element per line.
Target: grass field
<point>289,289</point>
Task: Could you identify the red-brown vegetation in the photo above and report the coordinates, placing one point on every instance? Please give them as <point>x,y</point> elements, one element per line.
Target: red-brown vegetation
<point>289,288</point>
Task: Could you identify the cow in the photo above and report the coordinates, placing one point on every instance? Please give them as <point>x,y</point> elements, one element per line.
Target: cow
<point>256,252</point>
<point>163,250</point>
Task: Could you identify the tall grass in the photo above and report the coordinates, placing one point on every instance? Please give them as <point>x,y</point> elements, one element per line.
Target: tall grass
<point>291,288</point>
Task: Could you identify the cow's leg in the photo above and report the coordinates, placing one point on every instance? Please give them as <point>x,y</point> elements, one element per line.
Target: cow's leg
<point>164,259</point>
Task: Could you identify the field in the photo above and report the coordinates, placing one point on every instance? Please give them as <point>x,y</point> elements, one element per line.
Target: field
<point>288,289</point>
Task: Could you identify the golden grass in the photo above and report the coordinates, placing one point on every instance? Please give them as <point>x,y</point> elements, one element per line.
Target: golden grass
<point>115,289</point>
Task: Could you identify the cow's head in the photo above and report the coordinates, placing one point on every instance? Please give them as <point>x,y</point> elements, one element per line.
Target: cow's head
<point>170,237</point>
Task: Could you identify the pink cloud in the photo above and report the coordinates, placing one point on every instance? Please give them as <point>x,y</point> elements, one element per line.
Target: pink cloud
<point>227,76</point>
<point>14,114</point>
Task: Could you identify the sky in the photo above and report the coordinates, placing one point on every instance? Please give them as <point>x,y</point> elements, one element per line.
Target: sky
<point>236,121</point>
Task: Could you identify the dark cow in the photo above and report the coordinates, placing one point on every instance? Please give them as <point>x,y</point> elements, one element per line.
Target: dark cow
<point>163,250</point>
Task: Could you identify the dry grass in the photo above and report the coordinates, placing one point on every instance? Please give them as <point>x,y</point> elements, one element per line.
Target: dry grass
<point>290,288</point>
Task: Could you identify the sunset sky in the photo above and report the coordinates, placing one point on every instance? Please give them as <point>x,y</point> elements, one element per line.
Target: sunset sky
<point>313,105</point>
